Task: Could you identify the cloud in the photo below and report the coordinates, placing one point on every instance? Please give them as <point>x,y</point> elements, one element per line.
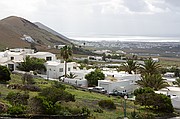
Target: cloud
<point>99,16</point>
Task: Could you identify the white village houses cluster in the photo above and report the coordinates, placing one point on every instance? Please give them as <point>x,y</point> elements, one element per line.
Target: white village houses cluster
<point>114,80</point>
<point>55,69</point>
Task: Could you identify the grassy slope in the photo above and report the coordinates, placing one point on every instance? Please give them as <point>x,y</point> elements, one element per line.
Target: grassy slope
<point>83,99</point>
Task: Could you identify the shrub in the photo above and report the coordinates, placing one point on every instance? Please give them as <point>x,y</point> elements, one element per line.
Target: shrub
<point>108,104</point>
<point>4,74</point>
<point>59,85</point>
<point>162,103</point>
<point>31,88</point>
<point>56,94</point>
<point>94,76</point>
<point>157,102</point>
<point>17,98</point>
<point>16,110</point>
<point>27,78</point>
<point>98,110</point>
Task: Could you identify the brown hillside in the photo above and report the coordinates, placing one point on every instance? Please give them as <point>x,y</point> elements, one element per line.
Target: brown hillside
<point>13,28</point>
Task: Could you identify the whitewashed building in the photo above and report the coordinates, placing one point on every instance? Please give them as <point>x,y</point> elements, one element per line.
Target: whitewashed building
<point>44,55</point>
<point>120,81</point>
<point>56,69</point>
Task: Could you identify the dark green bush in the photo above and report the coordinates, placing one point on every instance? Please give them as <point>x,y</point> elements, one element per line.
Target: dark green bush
<point>17,98</point>
<point>107,104</point>
<point>59,85</point>
<point>16,110</point>
<point>157,102</point>
<point>98,110</point>
<point>4,74</point>
<point>56,94</point>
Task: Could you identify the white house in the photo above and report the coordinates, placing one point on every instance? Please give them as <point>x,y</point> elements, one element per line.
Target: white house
<point>22,50</point>
<point>11,59</point>
<point>56,69</point>
<point>124,84</point>
<point>44,55</point>
<point>120,81</point>
<point>76,81</point>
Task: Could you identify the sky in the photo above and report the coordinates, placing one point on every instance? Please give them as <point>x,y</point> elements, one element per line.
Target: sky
<point>100,17</point>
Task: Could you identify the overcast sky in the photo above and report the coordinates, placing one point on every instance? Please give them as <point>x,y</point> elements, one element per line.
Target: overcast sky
<point>100,17</point>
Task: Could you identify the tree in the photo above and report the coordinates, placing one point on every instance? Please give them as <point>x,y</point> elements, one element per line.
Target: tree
<point>154,81</point>
<point>177,72</point>
<point>71,75</point>
<point>158,102</point>
<point>32,64</point>
<point>94,76</point>
<point>4,74</point>
<point>130,66</point>
<point>66,52</point>
<point>27,79</point>
<point>149,67</point>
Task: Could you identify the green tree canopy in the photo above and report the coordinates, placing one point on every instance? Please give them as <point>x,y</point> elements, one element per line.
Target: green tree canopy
<point>149,67</point>
<point>94,76</point>
<point>158,102</point>
<point>32,64</point>
<point>130,66</point>
<point>4,74</point>
<point>154,81</point>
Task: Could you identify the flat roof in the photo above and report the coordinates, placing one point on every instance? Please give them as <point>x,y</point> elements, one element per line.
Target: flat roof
<point>41,53</point>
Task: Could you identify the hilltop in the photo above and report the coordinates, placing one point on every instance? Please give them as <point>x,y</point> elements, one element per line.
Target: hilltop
<point>19,32</point>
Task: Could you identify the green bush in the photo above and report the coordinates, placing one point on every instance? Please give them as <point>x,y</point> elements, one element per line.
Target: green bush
<point>158,102</point>
<point>4,74</point>
<point>17,98</point>
<point>16,110</point>
<point>59,85</point>
<point>94,76</point>
<point>107,104</point>
<point>98,110</point>
<point>56,94</point>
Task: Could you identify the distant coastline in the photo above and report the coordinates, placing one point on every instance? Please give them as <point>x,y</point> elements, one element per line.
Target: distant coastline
<point>127,38</point>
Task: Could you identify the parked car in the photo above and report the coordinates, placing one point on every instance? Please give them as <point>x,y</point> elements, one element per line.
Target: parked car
<point>118,93</point>
<point>97,89</point>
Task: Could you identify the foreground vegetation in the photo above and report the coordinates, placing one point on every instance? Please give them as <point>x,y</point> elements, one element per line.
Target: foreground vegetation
<point>50,96</point>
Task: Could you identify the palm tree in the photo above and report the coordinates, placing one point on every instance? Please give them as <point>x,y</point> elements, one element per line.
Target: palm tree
<point>154,81</point>
<point>66,52</point>
<point>130,66</point>
<point>149,67</point>
<point>71,75</point>
<point>177,82</point>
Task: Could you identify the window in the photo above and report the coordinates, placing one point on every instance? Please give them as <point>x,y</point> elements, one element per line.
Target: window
<point>12,58</point>
<point>69,69</point>
<point>48,58</point>
<point>60,69</point>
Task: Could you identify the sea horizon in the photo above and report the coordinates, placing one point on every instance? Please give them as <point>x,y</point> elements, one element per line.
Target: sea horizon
<point>127,38</point>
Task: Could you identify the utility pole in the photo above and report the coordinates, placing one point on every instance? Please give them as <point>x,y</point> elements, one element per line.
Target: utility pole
<point>125,98</point>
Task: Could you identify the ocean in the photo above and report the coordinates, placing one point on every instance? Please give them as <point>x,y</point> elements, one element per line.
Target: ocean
<point>127,38</point>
